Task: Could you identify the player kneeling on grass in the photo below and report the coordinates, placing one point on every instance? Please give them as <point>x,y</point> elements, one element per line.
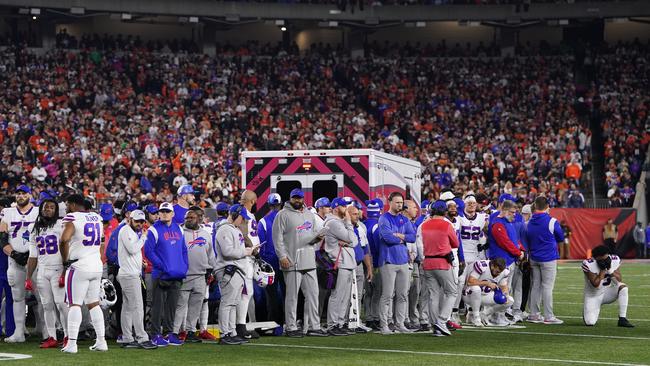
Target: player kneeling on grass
<point>604,285</point>
<point>486,278</point>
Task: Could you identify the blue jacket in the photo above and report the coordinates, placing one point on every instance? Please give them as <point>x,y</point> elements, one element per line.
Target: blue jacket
<point>4,265</point>
<point>393,250</point>
<point>165,248</point>
<point>543,234</point>
<point>359,251</point>
<point>505,250</point>
<point>521,229</point>
<point>111,247</point>
<point>419,221</point>
<point>265,234</point>
<point>373,238</point>
<point>179,214</point>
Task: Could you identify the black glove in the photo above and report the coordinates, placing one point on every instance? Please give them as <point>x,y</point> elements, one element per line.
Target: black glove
<point>20,258</point>
<point>604,264</point>
<point>461,268</point>
<point>68,263</point>
<point>482,247</point>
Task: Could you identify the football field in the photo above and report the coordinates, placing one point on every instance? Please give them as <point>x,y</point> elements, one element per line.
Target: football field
<point>569,344</point>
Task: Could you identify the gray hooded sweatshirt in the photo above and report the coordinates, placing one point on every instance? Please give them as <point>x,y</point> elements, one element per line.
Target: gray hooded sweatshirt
<point>229,243</point>
<point>199,251</point>
<point>340,237</point>
<point>294,233</point>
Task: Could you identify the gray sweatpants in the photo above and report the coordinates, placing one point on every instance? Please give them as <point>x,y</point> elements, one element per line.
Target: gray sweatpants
<point>339,302</point>
<point>231,292</point>
<point>361,280</point>
<point>373,298</point>
<point>190,301</point>
<point>394,278</point>
<point>132,308</point>
<point>307,282</point>
<point>541,289</point>
<point>414,295</point>
<point>443,288</point>
<point>516,290</point>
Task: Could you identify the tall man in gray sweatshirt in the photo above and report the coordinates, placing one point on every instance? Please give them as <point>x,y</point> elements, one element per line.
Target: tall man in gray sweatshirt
<point>340,239</point>
<point>201,259</point>
<point>294,235</point>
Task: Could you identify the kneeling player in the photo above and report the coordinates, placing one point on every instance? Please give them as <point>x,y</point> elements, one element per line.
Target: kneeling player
<point>604,285</point>
<point>485,277</point>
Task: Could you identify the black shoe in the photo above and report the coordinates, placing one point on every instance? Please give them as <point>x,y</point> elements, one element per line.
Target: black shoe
<point>240,339</point>
<point>241,331</point>
<point>133,344</point>
<point>391,326</point>
<point>147,345</point>
<point>336,331</point>
<point>374,325</point>
<point>253,334</point>
<point>360,330</point>
<point>424,328</point>
<point>347,330</point>
<point>294,333</point>
<point>192,338</point>
<point>230,341</point>
<point>622,322</point>
<point>317,333</point>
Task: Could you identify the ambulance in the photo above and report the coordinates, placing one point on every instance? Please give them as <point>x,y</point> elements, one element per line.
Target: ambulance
<point>361,174</point>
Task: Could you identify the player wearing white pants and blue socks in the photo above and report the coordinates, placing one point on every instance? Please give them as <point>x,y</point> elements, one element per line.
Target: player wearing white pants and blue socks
<point>604,285</point>
<point>543,233</point>
<point>484,277</point>
<point>81,245</point>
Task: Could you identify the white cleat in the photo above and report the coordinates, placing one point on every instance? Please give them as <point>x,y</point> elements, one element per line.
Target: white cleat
<point>15,339</point>
<point>99,347</point>
<point>69,349</point>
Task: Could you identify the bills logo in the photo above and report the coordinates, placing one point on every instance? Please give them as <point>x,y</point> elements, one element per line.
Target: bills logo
<point>197,242</point>
<point>241,239</point>
<point>306,226</point>
<point>172,236</point>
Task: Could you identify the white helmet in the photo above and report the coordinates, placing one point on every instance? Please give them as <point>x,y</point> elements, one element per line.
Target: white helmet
<point>107,294</point>
<point>264,273</point>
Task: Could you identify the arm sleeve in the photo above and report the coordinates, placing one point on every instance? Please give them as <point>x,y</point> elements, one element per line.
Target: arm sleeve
<point>343,231</point>
<point>558,232</point>
<point>261,231</point>
<point>386,232</point>
<point>186,261</point>
<point>278,236</point>
<point>409,233</point>
<point>501,236</point>
<point>150,250</point>
<point>33,250</point>
<point>123,240</point>
<point>212,258</point>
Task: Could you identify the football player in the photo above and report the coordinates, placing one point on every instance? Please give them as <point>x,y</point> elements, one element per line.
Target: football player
<point>485,277</point>
<point>45,237</point>
<point>13,239</point>
<point>604,285</point>
<point>81,245</point>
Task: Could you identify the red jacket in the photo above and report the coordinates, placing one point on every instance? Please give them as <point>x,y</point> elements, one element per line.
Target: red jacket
<point>438,238</point>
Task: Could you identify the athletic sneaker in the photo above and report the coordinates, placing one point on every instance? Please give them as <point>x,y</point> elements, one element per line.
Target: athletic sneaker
<point>206,336</point>
<point>15,338</point>
<point>442,328</point>
<point>347,330</point>
<point>553,320</point>
<point>99,346</point>
<point>230,341</point>
<point>172,339</point>
<point>120,340</point>
<point>386,331</point>
<point>474,319</point>
<point>65,342</point>
<point>69,348</point>
<point>240,339</point>
<point>451,325</point>
<point>361,329</point>
<point>49,343</point>
<point>455,318</point>
<point>191,337</point>
<point>317,333</point>
<point>437,333</point>
<point>499,320</point>
<point>337,331</point>
<point>159,341</point>
<point>294,333</point>
<point>535,318</point>
<point>403,330</point>
<point>623,322</point>
<point>182,335</point>
<point>133,344</point>
<point>516,318</point>
<point>424,328</point>
<point>147,345</point>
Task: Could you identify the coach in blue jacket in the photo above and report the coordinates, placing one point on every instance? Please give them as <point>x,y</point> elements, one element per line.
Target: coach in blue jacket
<point>395,230</point>
<point>372,296</point>
<point>165,248</point>
<point>543,234</point>
<point>274,297</point>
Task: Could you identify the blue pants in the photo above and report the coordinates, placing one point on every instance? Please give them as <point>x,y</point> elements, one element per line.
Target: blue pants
<point>5,290</point>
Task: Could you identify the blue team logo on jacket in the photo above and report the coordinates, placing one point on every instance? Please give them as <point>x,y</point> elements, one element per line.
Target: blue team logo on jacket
<point>197,242</point>
<point>306,226</point>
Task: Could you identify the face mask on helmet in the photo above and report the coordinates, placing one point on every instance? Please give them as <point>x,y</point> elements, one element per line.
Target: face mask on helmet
<point>264,274</point>
<point>107,294</point>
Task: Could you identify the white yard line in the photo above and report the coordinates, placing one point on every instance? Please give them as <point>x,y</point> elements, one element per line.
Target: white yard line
<point>600,318</point>
<point>579,303</point>
<point>560,334</point>
<point>631,294</point>
<point>446,354</point>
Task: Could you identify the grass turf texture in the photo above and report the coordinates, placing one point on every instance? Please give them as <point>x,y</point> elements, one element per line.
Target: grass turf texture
<point>537,344</point>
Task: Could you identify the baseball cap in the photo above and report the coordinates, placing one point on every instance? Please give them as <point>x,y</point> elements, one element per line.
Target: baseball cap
<point>297,192</point>
<point>506,197</point>
<point>438,205</point>
<point>241,210</point>
<point>322,202</point>
<point>129,206</point>
<point>425,205</point>
<point>469,198</point>
<point>274,199</point>
<point>166,206</point>
<point>358,205</point>
<point>447,196</point>
<point>152,209</point>
<point>222,206</point>
<point>23,188</point>
<point>348,200</point>
<point>106,211</point>
<point>372,208</point>
<point>138,215</point>
<point>338,202</point>
<point>527,209</point>
<point>185,189</point>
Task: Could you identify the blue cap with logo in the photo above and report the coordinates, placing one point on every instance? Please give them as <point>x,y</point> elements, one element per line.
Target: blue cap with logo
<point>438,205</point>
<point>23,188</point>
<point>185,189</point>
<point>222,206</point>
<point>297,192</point>
<point>506,197</point>
<point>240,210</point>
<point>322,202</point>
<point>106,211</point>
<point>152,209</point>
<point>274,199</point>
<point>425,204</point>
<point>338,202</point>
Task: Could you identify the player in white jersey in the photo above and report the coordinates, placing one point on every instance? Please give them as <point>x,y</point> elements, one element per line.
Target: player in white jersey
<point>472,240</point>
<point>246,306</point>
<point>484,277</point>
<point>45,237</point>
<point>604,285</point>
<point>81,245</point>
<point>453,217</point>
<point>14,240</point>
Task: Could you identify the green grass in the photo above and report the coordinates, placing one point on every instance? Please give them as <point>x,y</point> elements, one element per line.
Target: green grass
<point>538,342</point>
